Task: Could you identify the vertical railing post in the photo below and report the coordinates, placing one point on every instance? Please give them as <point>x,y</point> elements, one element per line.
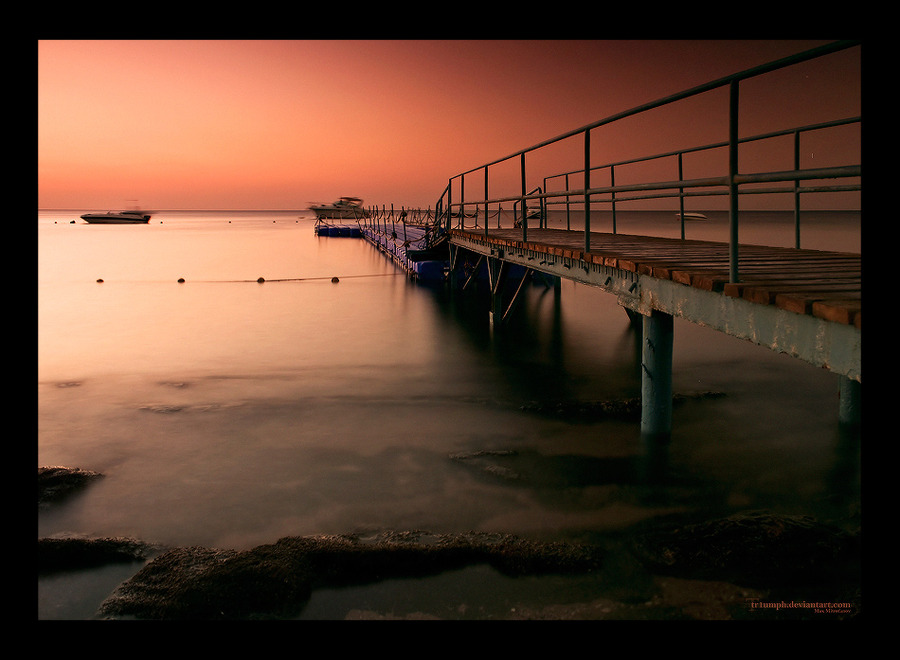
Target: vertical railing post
<point>568,225</point>
<point>612,184</point>
<point>486,197</point>
<point>449,204</point>
<point>462,201</point>
<point>796,190</point>
<point>681,193</point>
<point>524,210</point>
<point>587,185</point>
<point>733,274</point>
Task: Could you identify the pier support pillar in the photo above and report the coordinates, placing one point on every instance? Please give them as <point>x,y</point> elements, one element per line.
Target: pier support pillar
<point>656,376</point>
<point>849,411</point>
<point>451,275</point>
<point>495,271</point>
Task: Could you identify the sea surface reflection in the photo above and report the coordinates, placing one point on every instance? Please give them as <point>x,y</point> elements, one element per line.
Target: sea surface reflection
<point>225,412</point>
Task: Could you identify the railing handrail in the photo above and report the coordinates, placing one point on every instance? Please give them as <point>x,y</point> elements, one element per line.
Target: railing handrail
<point>719,145</point>
<point>704,182</point>
<point>728,183</point>
<point>693,91</point>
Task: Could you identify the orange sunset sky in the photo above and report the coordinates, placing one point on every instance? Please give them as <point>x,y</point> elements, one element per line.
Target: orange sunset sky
<point>269,124</point>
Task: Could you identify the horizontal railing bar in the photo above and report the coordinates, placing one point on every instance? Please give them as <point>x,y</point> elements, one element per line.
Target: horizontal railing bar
<point>715,145</point>
<point>798,175</point>
<point>675,195</point>
<point>719,181</point>
<point>694,91</point>
<point>552,201</point>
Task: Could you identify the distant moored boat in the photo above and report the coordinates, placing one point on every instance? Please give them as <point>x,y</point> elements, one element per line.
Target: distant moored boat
<point>690,216</point>
<point>116,218</point>
<point>345,207</point>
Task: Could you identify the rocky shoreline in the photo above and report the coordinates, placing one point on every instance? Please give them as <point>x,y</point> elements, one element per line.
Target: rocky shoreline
<point>743,566</point>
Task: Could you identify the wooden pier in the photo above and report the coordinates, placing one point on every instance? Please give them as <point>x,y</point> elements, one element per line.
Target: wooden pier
<point>826,285</point>
<point>805,303</point>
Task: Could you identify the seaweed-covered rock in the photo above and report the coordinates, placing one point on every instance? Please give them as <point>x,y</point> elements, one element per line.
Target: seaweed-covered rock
<point>276,580</point>
<point>59,554</point>
<point>751,548</point>
<point>55,483</point>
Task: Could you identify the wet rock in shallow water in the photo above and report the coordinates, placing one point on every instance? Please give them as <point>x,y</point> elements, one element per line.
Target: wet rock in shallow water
<point>481,460</point>
<point>628,410</point>
<point>751,549</point>
<point>55,483</point>
<point>276,580</point>
<point>60,554</point>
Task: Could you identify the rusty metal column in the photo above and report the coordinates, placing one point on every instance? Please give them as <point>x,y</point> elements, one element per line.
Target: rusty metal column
<point>656,376</point>
<point>849,412</point>
<point>495,273</point>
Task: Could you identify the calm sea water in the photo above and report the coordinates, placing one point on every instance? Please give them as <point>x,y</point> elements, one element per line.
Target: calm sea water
<point>228,413</point>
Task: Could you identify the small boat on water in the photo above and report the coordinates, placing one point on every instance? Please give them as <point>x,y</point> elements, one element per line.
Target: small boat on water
<point>345,207</point>
<point>690,216</point>
<point>117,218</point>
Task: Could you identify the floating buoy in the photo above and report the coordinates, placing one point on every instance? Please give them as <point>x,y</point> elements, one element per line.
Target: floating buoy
<point>181,280</point>
<point>261,280</point>
<point>335,280</point>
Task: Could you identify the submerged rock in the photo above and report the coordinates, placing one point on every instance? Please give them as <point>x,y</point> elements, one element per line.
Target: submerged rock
<point>55,483</point>
<point>276,580</point>
<point>619,409</point>
<point>60,554</point>
<point>751,549</point>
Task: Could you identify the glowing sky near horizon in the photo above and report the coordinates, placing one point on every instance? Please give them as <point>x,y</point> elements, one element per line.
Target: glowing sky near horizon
<point>277,124</point>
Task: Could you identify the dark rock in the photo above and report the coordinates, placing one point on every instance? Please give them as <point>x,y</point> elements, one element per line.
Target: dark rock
<point>276,580</point>
<point>628,410</point>
<point>55,483</point>
<point>60,554</point>
<point>751,549</point>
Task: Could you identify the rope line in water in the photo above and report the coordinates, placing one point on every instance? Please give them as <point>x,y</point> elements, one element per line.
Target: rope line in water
<point>307,279</point>
<point>260,280</point>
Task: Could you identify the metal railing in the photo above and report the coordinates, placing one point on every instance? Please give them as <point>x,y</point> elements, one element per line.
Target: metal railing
<point>727,184</point>
<point>388,222</point>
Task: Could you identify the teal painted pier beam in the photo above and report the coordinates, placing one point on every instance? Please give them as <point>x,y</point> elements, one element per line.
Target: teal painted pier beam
<point>804,303</point>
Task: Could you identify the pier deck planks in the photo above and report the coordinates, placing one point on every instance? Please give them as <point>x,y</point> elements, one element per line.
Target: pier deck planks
<point>826,285</point>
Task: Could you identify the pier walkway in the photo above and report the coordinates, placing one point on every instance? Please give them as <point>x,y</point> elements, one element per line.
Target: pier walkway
<point>807,303</point>
<point>825,285</point>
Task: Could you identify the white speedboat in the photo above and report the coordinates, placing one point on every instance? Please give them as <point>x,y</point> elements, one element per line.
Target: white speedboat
<point>345,207</point>
<point>117,218</point>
